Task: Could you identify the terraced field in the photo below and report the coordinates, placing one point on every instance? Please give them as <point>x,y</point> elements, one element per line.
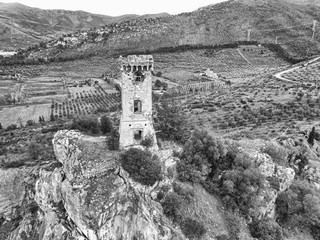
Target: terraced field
<point>254,99</point>
<point>308,73</point>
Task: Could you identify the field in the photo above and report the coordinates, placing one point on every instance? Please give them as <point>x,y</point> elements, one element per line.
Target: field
<point>255,104</point>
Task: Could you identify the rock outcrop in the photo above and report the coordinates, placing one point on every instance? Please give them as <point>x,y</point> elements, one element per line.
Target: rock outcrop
<point>279,179</point>
<point>97,198</point>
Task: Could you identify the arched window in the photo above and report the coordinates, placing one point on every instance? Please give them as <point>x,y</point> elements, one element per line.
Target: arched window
<point>137,106</point>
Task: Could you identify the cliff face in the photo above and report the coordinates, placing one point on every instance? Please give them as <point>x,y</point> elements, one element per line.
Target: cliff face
<point>96,196</point>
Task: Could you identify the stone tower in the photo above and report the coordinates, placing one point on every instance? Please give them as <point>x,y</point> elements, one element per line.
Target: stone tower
<point>136,98</point>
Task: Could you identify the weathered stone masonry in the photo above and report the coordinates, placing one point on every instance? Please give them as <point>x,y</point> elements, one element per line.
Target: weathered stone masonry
<point>136,99</point>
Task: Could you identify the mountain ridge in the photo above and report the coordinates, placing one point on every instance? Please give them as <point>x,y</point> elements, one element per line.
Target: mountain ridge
<point>22,26</point>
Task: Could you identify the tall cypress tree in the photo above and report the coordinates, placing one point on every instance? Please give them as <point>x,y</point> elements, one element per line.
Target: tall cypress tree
<point>312,136</point>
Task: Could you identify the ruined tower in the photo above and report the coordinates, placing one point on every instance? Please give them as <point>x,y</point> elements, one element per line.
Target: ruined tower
<point>136,98</point>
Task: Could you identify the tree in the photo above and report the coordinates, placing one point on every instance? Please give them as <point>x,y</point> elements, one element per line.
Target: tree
<point>201,155</point>
<point>86,125</point>
<point>192,228</point>
<point>278,153</point>
<point>30,123</point>
<point>1,126</point>
<point>106,124</point>
<point>113,140</point>
<point>142,166</point>
<point>266,229</point>
<point>171,204</point>
<point>312,136</point>
<point>158,84</point>
<point>51,117</point>
<point>170,121</point>
<point>34,150</point>
<point>300,206</point>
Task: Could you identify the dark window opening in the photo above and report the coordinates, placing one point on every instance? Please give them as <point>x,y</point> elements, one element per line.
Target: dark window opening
<point>138,135</point>
<point>137,108</point>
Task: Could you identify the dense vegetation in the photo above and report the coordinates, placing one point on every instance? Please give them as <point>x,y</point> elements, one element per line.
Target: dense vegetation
<point>225,170</point>
<point>142,166</point>
<point>170,121</point>
<point>173,202</point>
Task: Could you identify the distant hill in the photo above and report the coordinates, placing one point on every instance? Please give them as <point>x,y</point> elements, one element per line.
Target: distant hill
<point>226,22</point>
<point>22,26</point>
<point>287,22</point>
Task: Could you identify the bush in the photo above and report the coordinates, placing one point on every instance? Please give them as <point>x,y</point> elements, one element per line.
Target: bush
<point>86,125</point>
<point>142,166</point>
<point>201,155</point>
<point>106,124</point>
<point>170,121</point>
<point>113,140</point>
<point>192,228</point>
<point>266,230</point>
<point>299,204</point>
<point>278,153</point>
<point>171,204</point>
<point>30,123</point>
<point>233,222</point>
<point>312,136</point>
<point>11,127</point>
<point>34,150</point>
<point>147,141</point>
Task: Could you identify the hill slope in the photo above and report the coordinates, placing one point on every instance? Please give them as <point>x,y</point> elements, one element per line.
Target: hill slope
<point>21,25</point>
<point>221,23</point>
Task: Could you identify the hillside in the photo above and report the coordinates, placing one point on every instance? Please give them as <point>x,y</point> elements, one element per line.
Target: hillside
<point>22,26</point>
<point>221,23</point>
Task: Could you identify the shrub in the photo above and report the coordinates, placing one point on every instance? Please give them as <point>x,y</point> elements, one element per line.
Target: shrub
<point>266,230</point>
<point>142,166</point>
<point>185,192</point>
<point>34,150</point>
<point>11,127</point>
<point>312,136</point>
<point>106,124</point>
<point>233,224</point>
<point>170,121</point>
<point>30,123</point>
<point>158,84</point>
<point>201,155</point>
<point>171,204</point>
<point>299,206</point>
<point>278,153</point>
<point>147,141</point>
<point>192,228</point>
<point>86,125</point>
<point>113,140</point>
<point>13,164</point>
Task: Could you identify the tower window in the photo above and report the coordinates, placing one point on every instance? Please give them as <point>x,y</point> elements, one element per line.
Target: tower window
<point>137,135</point>
<point>137,108</point>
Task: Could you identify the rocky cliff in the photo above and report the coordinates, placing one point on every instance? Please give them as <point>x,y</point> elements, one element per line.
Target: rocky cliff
<point>97,196</point>
<point>88,196</point>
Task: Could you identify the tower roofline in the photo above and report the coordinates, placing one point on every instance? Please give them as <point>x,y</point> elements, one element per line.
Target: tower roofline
<point>136,60</point>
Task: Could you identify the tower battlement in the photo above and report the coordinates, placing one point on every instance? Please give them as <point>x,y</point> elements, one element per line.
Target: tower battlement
<point>133,63</point>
